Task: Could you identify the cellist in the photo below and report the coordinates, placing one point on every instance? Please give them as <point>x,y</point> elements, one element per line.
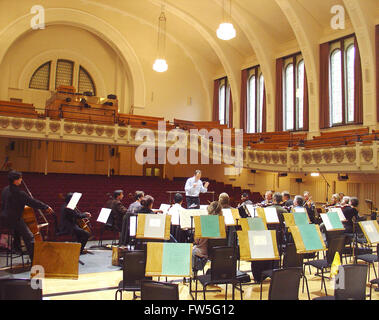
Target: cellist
<point>69,225</point>
<point>13,201</point>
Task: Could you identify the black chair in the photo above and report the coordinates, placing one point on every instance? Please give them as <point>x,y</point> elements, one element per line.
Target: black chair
<point>11,252</point>
<point>370,259</point>
<point>19,289</point>
<point>335,245</point>
<point>223,271</point>
<point>153,290</point>
<point>133,272</point>
<point>291,259</point>
<point>285,284</point>
<point>351,285</point>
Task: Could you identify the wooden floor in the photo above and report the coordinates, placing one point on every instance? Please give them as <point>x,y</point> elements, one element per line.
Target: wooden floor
<point>88,285</point>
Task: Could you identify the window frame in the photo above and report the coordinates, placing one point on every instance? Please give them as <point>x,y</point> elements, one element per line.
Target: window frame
<point>257,73</point>
<point>48,78</point>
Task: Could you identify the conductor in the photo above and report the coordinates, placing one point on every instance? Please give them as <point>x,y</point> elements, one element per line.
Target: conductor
<point>194,186</point>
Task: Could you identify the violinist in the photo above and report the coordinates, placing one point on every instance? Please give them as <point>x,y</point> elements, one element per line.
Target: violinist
<point>310,206</point>
<point>350,211</point>
<point>287,201</point>
<point>268,199</point>
<point>334,201</point>
<point>13,201</point>
<point>241,206</point>
<point>68,223</point>
<point>345,201</point>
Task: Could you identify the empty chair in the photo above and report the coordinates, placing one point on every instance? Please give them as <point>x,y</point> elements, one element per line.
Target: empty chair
<point>223,271</point>
<point>336,245</point>
<point>20,289</point>
<point>351,283</point>
<point>133,272</point>
<point>370,259</point>
<point>285,284</point>
<point>153,290</point>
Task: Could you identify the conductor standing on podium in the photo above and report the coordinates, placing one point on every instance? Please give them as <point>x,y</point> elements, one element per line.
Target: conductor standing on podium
<point>194,186</point>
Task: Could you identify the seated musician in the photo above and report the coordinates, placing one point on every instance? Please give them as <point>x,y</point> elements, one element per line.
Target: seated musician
<point>277,200</point>
<point>200,248</point>
<point>350,211</point>
<point>287,201</point>
<point>118,210</point>
<point>224,200</point>
<point>174,210</point>
<point>268,199</point>
<point>13,201</point>
<point>69,225</point>
<point>146,205</point>
<point>310,207</point>
<point>345,201</point>
<point>334,201</point>
<point>136,205</point>
<point>244,201</point>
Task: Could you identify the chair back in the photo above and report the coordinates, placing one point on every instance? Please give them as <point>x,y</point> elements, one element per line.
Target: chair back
<point>19,289</point>
<point>291,258</point>
<point>134,267</point>
<point>153,290</point>
<point>352,283</point>
<point>212,243</point>
<point>336,245</point>
<point>285,284</point>
<point>224,263</point>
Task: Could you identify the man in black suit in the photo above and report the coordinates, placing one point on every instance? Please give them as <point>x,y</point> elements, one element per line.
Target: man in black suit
<point>13,201</point>
<point>350,211</point>
<point>69,225</point>
<point>118,210</point>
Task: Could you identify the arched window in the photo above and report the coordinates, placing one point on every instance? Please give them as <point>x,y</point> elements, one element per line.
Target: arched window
<point>289,97</point>
<point>336,87</point>
<point>251,106</point>
<point>221,105</point>
<point>350,58</point>
<point>64,74</point>
<point>260,99</point>
<point>86,83</point>
<point>300,95</point>
<point>41,77</point>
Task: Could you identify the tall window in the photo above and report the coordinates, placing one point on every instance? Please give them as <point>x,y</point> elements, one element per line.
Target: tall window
<point>255,86</point>
<point>342,82</point>
<point>64,76</point>
<point>224,101</point>
<point>293,93</point>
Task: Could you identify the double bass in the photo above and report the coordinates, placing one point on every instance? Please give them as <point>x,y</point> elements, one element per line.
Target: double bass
<point>30,219</point>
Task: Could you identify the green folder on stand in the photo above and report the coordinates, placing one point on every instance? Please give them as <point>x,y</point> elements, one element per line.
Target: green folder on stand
<point>256,224</point>
<point>300,218</point>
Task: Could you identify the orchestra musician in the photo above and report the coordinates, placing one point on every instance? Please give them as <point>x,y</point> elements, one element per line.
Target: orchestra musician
<point>287,201</point>
<point>350,211</point>
<point>136,205</point>
<point>69,225</point>
<point>268,199</point>
<point>241,206</point>
<point>193,187</point>
<point>146,205</point>
<point>310,207</point>
<point>13,201</point>
<point>334,201</point>
<point>118,210</point>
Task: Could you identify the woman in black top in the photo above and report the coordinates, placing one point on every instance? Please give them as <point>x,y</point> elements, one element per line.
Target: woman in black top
<point>350,212</point>
<point>147,205</point>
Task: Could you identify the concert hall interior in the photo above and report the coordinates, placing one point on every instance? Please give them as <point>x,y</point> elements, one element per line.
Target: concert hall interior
<point>242,134</point>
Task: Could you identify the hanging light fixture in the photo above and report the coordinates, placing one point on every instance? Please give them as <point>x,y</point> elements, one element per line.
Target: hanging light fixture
<point>226,29</point>
<point>160,64</point>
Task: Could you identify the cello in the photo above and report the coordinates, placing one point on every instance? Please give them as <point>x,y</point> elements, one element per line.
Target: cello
<point>30,219</point>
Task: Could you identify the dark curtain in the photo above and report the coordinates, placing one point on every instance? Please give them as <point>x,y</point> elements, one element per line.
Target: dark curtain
<point>243,107</point>
<point>324,85</point>
<point>279,95</point>
<point>358,87</point>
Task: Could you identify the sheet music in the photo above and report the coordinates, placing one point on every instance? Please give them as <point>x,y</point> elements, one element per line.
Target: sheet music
<point>340,213</point>
<point>185,216</point>
<point>133,226</point>
<point>154,223</point>
<point>252,210</point>
<point>300,209</point>
<point>155,226</point>
<point>326,221</point>
<point>164,207</point>
<point>203,207</point>
<point>261,245</point>
<point>371,231</point>
<point>74,200</point>
<point>271,215</point>
<point>104,215</point>
<point>229,220</point>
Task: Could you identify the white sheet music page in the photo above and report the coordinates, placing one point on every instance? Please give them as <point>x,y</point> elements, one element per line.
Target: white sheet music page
<point>326,221</point>
<point>164,207</point>
<point>133,226</point>
<point>251,210</point>
<point>104,215</point>
<point>227,213</point>
<point>74,200</point>
<point>271,215</point>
